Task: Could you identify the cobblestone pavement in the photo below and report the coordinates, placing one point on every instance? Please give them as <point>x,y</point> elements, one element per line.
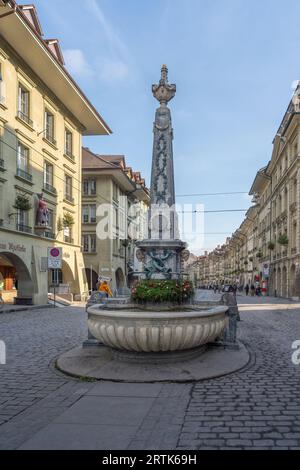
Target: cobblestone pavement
<point>31,392</point>
<point>258,407</point>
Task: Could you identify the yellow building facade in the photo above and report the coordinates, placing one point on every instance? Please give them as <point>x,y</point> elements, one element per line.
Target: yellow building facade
<point>113,191</point>
<point>265,249</point>
<point>43,115</point>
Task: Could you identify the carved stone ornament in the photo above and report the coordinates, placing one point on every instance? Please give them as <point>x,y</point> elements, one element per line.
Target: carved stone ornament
<point>140,255</point>
<point>185,254</point>
<point>164,91</point>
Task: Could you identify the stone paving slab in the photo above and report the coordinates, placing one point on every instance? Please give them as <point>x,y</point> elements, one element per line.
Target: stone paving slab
<point>81,437</point>
<point>123,411</point>
<point>101,364</point>
<point>115,389</point>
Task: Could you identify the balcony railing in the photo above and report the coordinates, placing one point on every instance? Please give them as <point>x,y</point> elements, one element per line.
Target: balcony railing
<point>69,198</point>
<point>50,138</point>
<point>24,228</point>
<point>24,174</point>
<point>49,234</point>
<point>68,239</point>
<point>51,189</point>
<point>2,164</point>
<point>25,118</point>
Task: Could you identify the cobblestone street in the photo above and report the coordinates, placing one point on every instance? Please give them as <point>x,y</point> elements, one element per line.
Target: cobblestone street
<point>258,407</point>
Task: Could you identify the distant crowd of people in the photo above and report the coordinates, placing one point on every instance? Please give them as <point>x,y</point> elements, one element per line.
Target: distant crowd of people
<point>251,288</point>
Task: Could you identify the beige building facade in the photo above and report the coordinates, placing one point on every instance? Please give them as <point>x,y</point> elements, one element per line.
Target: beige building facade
<point>43,115</point>
<point>266,247</point>
<point>114,193</point>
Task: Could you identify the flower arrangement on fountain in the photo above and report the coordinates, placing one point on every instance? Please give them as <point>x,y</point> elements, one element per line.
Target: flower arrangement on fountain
<point>162,290</point>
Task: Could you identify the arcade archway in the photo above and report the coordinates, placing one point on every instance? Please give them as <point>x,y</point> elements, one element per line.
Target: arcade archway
<point>92,278</point>
<point>120,279</point>
<point>15,278</point>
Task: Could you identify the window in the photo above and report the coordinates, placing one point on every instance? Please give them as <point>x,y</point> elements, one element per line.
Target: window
<point>22,221</point>
<point>93,243</point>
<point>85,243</point>
<point>68,188</point>
<point>49,127</point>
<point>89,243</point>
<point>49,233</point>
<point>48,177</point>
<point>69,143</point>
<point>89,187</point>
<point>115,193</point>
<point>23,104</point>
<point>50,218</point>
<point>93,213</point>
<point>2,86</point>
<point>85,214</point>
<point>56,276</point>
<point>68,235</point>
<point>23,162</point>
<point>89,213</point>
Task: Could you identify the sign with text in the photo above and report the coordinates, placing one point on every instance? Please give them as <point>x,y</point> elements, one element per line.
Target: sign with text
<point>54,258</point>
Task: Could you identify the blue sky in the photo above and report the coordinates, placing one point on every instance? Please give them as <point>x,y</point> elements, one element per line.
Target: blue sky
<point>233,61</point>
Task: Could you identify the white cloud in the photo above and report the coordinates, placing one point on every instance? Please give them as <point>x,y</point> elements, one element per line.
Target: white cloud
<point>76,63</point>
<point>112,71</point>
<point>116,45</point>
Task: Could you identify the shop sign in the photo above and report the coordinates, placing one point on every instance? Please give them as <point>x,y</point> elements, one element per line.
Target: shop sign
<point>13,247</point>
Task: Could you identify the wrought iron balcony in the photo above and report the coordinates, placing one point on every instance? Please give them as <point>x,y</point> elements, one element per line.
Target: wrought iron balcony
<point>51,189</point>
<point>25,118</point>
<point>24,228</point>
<point>50,138</point>
<point>24,174</point>
<point>49,234</point>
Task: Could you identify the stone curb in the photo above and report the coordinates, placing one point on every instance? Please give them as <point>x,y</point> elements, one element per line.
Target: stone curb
<point>99,364</point>
<point>15,309</point>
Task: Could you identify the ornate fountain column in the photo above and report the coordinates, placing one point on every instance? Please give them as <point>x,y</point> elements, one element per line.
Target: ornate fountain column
<point>162,250</point>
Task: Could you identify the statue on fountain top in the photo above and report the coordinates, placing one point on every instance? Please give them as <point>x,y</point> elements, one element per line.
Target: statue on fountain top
<point>164,91</point>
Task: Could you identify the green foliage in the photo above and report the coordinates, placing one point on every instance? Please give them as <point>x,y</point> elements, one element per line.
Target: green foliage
<point>60,225</point>
<point>283,239</point>
<point>259,254</point>
<point>22,203</point>
<point>156,291</point>
<point>271,246</point>
<point>68,220</point>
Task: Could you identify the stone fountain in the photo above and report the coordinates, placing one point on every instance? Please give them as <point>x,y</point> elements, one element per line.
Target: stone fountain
<point>129,327</point>
<point>157,343</point>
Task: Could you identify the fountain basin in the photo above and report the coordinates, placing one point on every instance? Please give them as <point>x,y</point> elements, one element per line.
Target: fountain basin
<point>143,331</point>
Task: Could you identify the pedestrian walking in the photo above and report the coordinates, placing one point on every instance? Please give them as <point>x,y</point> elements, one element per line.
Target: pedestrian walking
<point>252,290</point>
<point>247,289</point>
